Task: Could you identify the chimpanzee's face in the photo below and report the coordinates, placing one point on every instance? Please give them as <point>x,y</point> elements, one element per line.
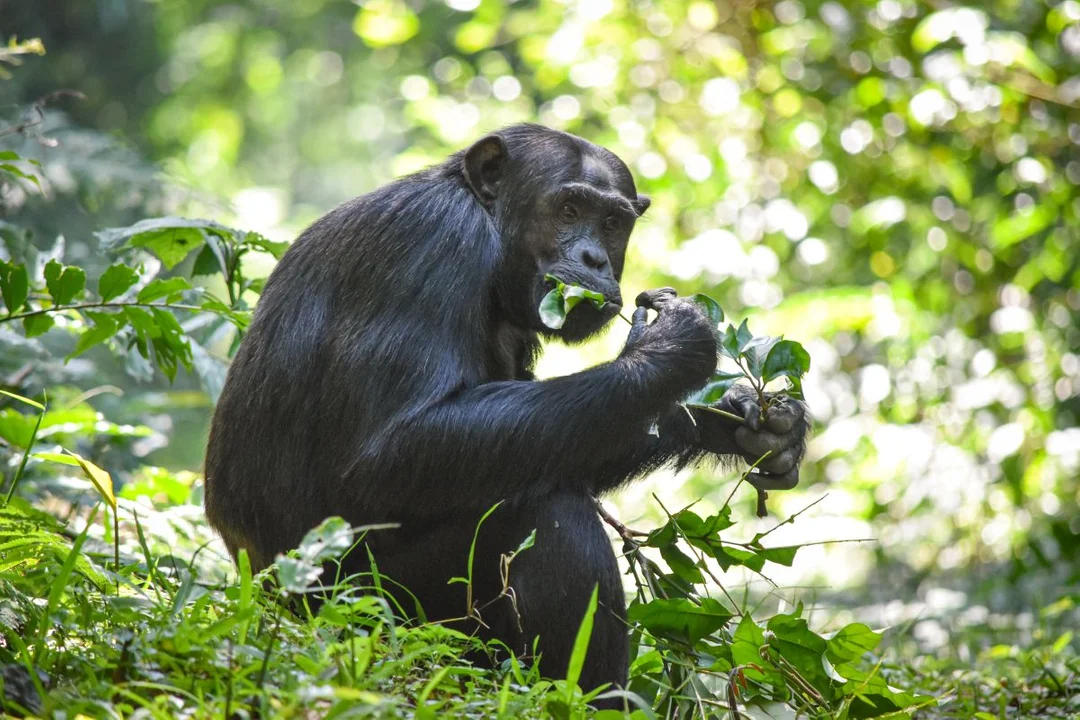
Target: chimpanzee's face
<point>566,209</point>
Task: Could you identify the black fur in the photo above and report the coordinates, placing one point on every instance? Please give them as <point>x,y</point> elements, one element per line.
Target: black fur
<point>386,377</point>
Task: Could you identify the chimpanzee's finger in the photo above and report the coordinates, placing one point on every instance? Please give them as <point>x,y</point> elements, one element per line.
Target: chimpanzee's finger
<point>780,419</point>
<point>762,481</point>
<point>639,322</point>
<point>752,415</point>
<point>780,463</point>
<point>656,299</point>
<point>757,443</point>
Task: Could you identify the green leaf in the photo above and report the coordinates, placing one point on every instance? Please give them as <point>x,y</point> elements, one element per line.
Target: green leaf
<point>852,642</point>
<point>756,351</point>
<point>557,304</point>
<point>36,325</point>
<point>553,309</point>
<point>64,282</point>
<point>116,281</point>
<point>681,564</point>
<point>780,555</point>
<point>142,321</point>
<point>729,343</point>
<point>327,541</point>
<point>258,242</point>
<point>527,543</point>
<point>711,308</point>
<point>728,556</point>
<point>581,642</point>
<point>20,173</point>
<point>718,385</point>
<point>297,575</point>
<point>786,358</point>
<point>746,643</point>
<point>171,239</point>
<point>163,287</point>
<point>744,336</point>
<point>574,294</point>
<point>679,618</point>
<point>24,400</point>
<point>105,327</point>
<point>14,286</point>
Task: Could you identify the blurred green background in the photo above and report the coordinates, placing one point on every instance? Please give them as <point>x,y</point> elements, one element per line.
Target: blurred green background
<point>894,184</point>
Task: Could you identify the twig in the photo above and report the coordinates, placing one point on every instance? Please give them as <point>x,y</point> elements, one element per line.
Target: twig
<point>626,533</point>
<point>87,306</point>
<point>35,115</point>
<point>790,519</point>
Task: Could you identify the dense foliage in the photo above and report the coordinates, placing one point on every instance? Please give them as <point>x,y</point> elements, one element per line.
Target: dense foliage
<point>893,184</point>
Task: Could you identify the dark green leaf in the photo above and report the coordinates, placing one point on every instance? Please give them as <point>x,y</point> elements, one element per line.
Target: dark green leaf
<point>115,281</point>
<point>787,358</point>
<point>681,564</point>
<point>729,343</point>
<point>211,259</point>
<point>712,308</point>
<point>744,336</point>
<point>756,351</point>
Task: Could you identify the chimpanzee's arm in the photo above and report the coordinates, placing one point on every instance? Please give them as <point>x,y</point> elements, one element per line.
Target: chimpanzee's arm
<point>525,439</point>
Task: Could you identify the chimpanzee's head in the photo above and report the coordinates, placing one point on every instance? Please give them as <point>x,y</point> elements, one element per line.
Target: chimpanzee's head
<point>564,207</point>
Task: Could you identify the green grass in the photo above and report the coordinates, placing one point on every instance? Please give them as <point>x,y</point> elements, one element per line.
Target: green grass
<point>174,630</point>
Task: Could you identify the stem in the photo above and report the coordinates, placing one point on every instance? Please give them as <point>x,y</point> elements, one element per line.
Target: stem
<point>718,411</point>
<point>88,306</point>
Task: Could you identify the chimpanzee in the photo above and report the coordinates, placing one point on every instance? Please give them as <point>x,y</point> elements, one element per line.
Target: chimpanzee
<point>386,377</point>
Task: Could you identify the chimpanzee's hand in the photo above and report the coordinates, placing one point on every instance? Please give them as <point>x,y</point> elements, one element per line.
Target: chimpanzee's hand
<point>783,435</point>
<point>679,342</point>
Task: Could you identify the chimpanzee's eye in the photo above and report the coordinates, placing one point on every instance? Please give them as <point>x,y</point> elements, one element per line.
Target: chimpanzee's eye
<point>611,223</point>
<point>567,212</point>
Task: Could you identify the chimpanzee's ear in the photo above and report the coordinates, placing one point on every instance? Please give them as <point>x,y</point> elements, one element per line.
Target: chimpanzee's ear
<point>484,163</point>
<point>642,204</point>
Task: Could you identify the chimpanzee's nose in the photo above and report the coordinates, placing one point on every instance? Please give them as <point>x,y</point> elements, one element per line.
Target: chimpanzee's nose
<point>593,257</point>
